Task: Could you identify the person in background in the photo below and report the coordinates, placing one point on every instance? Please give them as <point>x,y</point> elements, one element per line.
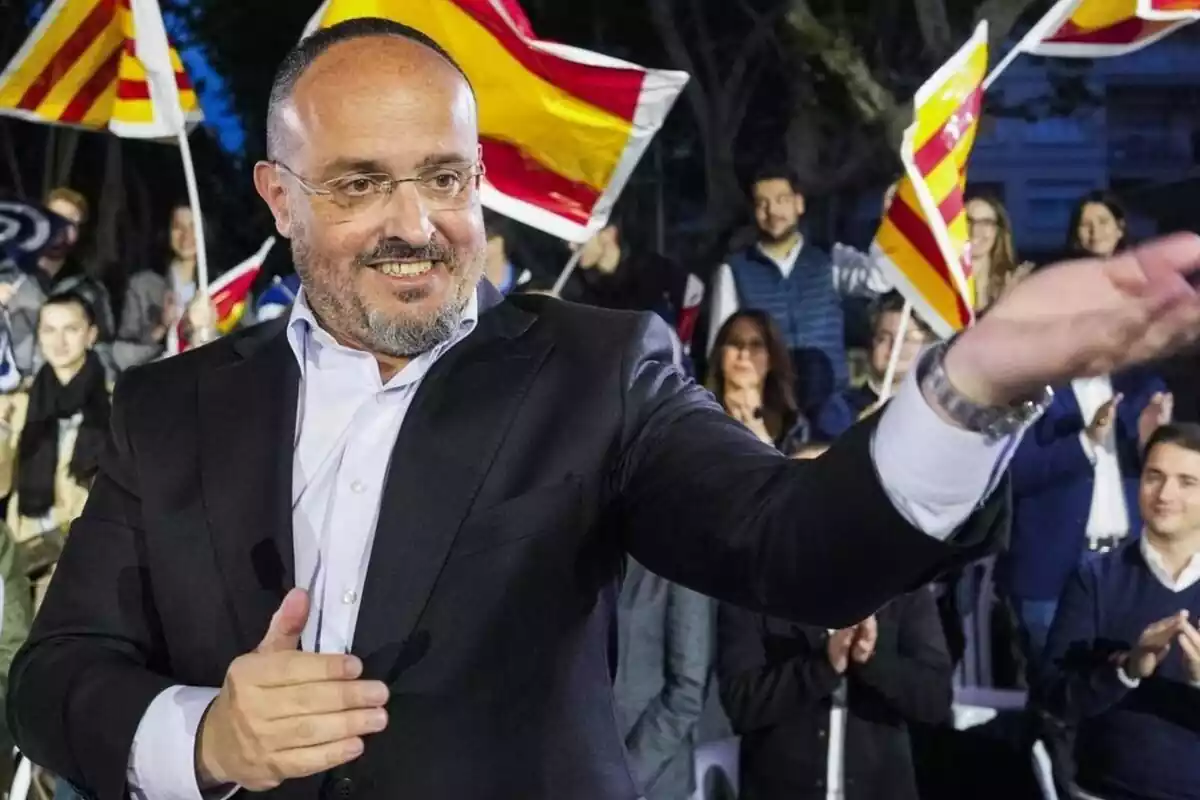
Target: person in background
<point>1123,659</point>
<point>155,301</point>
<point>824,714</point>
<point>16,599</point>
<point>54,435</point>
<point>842,410</point>
<point>665,642</point>
<point>499,267</point>
<point>797,284</point>
<point>993,254</point>
<point>1098,226</point>
<point>59,272</point>
<point>751,376</point>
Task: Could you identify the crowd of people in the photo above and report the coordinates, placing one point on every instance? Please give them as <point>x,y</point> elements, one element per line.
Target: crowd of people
<point>1100,578</point>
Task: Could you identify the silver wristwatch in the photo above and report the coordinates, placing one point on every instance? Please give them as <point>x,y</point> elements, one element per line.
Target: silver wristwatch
<point>994,422</point>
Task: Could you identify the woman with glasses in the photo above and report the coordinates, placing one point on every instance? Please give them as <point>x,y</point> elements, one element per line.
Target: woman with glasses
<point>752,377</point>
<point>993,255</point>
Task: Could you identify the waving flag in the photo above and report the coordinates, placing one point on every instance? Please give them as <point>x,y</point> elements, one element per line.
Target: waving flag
<point>230,293</point>
<point>922,241</point>
<point>92,63</point>
<point>561,128</point>
<point>1099,28</point>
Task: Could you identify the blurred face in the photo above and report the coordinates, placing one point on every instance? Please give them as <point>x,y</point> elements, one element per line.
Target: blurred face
<point>64,335</point>
<point>744,357</point>
<point>983,223</point>
<point>1099,231</point>
<point>886,331</point>
<point>388,272</point>
<point>777,209</point>
<point>1169,496</point>
<point>70,234</point>
<point>183,234</point>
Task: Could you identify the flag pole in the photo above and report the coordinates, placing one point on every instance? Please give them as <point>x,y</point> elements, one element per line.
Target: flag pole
<point>189,176</point>
<point>889,377</point>
<point>565,275</point>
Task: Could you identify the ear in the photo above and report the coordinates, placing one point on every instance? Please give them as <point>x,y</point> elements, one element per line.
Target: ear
<point>268,183</point>
<point>92,335</point>
<point>799,205</point>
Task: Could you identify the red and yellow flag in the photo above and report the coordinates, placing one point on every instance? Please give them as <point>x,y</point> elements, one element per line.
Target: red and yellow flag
<point>230,294</point>
<point>922,241</point>
<point>561,128</point>
<point>1099,28</point>
<point>92,63</point>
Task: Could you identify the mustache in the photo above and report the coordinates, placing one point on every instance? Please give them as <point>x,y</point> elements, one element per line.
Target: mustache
<point>390,250</point>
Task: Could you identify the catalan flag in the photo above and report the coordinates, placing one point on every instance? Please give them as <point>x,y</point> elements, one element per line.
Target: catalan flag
<point>94,64</point>
<point>230,294</point>
<point>561,128</point>
<point>1100,28</point>
<point>922,241</point>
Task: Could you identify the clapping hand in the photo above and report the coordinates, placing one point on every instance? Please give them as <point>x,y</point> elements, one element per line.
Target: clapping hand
<point>1158,412</point>
<point>865,637</point>
<point>1189,646</point>
<point>1153,645</point>
<point>1103,421</point>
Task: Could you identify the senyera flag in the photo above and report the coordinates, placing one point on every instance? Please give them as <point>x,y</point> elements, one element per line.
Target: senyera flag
<point>230,294</point>
<point>90,63</point>
<point>561,128</point>
<point>1100,28</point>
<point>922,241</point>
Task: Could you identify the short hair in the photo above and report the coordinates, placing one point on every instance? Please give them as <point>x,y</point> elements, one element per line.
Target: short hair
<point>69,299</point>
<point>893,303</point>
<point>776,172</point>
<point>68,195</point>
<point>310,48</point>
<point>1181,434</point>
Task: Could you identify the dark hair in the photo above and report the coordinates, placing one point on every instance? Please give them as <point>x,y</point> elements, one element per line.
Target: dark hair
<point>1101,197</point>
<point>1182,434</point>
<point>776,172</point>
<point>779,386</point>
<point>69,299</point>
<point>310,48</point>
<point>893,302</point>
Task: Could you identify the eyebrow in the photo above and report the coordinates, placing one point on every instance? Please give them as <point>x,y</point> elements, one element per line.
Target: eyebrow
<point>343,166</point>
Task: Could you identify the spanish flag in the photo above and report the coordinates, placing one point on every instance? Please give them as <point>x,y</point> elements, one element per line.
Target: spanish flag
<point>561,128</point>
<point>1100,28</point>
<point>922,241</point>
<point>100,64</point>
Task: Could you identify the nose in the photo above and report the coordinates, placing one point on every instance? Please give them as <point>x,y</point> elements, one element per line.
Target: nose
<point>406,216</point>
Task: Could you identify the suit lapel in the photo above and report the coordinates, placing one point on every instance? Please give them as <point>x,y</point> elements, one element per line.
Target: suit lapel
<point>248,417</point>
<point>445,448</point>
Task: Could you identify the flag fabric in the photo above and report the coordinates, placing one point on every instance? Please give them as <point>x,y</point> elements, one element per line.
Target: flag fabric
<point>922,241</point>
<point>1100,28</point>
<point>100,64</point>
<point>561,128</point>
<point>230,293</point>
<point>25,231</point>
<point>277,298</point>
<point>10,376</point>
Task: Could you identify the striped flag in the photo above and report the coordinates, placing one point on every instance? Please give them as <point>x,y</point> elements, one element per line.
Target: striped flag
<point>1100,28</point>
<point>94,64</point>
<point>230,294</point>
<point>922,241</point>
<point>561,128</point>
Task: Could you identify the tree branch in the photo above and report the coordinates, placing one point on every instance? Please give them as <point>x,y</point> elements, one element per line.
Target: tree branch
<point>934,23</point>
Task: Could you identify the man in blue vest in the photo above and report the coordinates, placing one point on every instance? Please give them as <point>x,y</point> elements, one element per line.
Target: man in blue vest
<point>797,283</point>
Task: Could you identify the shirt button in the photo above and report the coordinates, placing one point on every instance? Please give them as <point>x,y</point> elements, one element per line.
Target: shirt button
<point>358,487</point>
<point>350,597</point>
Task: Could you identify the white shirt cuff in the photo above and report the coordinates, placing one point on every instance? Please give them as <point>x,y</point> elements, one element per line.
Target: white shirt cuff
<point>935,474</point>
<point>162,761</point>
<point>1123,677</point>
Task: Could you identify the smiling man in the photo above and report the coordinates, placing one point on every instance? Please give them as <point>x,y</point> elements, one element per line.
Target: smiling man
<point>401,582</point>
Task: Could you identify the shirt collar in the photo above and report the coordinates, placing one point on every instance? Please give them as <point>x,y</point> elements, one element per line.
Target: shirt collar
<point>302,327</point>
<point>789,258</point>
<point>1154,561</point>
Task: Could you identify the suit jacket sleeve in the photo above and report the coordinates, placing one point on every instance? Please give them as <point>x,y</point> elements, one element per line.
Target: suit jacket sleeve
<point>755,693</point>
<point>702,502</point>
<point>96,645</point>
<point>915,680</point>
<point>670,718</point>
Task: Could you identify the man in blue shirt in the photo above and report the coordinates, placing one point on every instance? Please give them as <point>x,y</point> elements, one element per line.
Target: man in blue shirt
<point>1123,658</point>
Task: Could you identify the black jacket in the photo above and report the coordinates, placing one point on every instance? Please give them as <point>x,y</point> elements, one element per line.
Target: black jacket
<point>536,454</point>
<point>777,687</point>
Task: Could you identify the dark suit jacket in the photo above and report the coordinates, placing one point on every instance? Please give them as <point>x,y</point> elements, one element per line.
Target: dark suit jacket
<point>777,686</point>
<point>666,636</point>
<point>536,454</point>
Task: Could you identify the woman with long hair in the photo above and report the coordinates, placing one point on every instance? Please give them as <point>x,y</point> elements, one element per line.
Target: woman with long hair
<point>1098,226</point>
<point>752,377</point>
<point>993,254</point>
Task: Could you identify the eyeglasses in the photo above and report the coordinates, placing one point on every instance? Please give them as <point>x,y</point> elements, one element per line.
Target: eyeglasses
<point>983,223</point>
<point>443,187</point>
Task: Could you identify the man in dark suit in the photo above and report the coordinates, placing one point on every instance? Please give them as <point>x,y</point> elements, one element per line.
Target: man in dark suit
<point>665,643</point>
<point>401,576</point>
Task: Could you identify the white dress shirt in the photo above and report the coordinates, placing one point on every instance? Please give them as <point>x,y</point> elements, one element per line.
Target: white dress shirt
<point>854,274</point>
<point>935,474</point>
<point>1108,515</point>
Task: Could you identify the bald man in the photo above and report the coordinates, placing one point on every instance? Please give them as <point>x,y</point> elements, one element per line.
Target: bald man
<point>372,549</point>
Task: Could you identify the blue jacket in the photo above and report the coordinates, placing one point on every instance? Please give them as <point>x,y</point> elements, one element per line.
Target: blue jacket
<point>1052,482</point>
